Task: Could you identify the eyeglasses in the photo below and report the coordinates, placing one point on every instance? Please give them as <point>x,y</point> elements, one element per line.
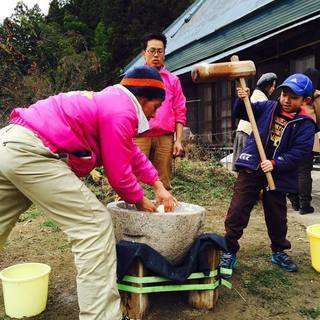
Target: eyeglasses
<point>155,51</point>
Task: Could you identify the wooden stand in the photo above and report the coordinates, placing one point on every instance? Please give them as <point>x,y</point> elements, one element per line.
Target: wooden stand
<point>206,299</point>
<point>135,305</point>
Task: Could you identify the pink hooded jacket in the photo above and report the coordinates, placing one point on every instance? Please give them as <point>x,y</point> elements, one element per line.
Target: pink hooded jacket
<point>172,110</point>
<point>98,125</point>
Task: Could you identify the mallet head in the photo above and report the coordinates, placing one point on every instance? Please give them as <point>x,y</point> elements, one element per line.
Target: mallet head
<point>209,72</point>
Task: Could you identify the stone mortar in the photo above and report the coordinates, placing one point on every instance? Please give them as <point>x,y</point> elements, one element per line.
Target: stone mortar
<point>170,233</point>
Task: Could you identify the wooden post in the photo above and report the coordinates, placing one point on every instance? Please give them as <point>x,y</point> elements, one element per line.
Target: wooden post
<point>135,305</point>
<point>206,299</point>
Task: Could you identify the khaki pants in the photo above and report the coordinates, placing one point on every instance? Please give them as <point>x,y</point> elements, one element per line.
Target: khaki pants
<point>159,151</point>
<point>29,172</point>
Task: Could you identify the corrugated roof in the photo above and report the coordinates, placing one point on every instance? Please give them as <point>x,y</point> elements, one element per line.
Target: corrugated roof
<point>207,16</point>
<point>246,45</point>
<point>276,16</point>
<point>210,33</point>
<point>202,18</point>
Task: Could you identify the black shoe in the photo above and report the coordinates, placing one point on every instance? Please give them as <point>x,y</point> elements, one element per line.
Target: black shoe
<point>306,210</point>
<point>284,261</point>
<point>295,206</point>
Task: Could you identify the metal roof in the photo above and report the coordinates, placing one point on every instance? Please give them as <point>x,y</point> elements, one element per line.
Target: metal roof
<point>246,45</point>
<point>202,18</point>
<point>211,27</point>
<point>205,17</point>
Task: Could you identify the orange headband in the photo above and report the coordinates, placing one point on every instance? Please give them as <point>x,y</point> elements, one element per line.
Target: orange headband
<point>142,83</point>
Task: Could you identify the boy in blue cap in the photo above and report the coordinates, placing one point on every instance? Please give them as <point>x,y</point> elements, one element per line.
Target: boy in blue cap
<point>287,133</point>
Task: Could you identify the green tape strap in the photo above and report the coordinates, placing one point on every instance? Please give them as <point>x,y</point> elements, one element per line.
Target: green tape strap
<point>226,283</point>
<point>143,280</point>
<point>174,287</point>
<point>168,288</point>
<point>226,271</point>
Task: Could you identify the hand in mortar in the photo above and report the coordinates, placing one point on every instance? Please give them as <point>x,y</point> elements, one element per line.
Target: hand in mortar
<point>164,197</point>
<point>146,205</point>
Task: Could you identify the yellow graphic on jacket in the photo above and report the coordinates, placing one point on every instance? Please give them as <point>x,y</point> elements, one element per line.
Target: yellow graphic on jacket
<point>279,123</point>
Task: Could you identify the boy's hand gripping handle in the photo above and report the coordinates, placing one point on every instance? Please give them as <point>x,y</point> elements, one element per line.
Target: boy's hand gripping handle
<point>255,129</point>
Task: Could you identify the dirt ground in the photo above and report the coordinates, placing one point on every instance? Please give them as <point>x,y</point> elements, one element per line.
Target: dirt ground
<point>261,290</point>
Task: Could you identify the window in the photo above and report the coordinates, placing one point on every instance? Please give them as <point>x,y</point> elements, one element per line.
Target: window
<point>300,65</point>
<point>222,123</point>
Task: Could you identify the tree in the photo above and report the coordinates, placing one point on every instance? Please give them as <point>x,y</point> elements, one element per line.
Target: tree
<point>56,12</point>
<point>39,58</point>
<point>80,44</point>
<point>128,21</point>
<point>21,34</point>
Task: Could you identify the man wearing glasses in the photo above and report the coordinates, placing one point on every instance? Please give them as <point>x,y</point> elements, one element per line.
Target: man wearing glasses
<point>164,139</point>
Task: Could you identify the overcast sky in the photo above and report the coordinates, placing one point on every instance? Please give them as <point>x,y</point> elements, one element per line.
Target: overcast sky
<point>7,6</point>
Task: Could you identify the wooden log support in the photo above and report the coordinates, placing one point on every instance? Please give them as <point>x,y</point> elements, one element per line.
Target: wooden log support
<point>135,305</point>
<point>206,299</point>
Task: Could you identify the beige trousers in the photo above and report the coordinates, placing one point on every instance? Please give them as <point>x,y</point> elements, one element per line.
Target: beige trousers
<point>159,150</point>
<point>29,172</point>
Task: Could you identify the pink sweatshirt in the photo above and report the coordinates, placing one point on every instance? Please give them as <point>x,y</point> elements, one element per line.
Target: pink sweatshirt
<point>172,110</point>
<point>102,124</point>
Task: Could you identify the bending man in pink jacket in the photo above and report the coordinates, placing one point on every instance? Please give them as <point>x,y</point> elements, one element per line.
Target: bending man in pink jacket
<point>158,143</point>
<point>50,144</point>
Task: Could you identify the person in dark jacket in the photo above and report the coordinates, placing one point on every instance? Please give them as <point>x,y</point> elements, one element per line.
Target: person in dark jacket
<point>287,133</point>
<point>301,201</point>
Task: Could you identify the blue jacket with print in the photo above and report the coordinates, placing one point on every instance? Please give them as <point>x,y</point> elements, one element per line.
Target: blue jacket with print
<point>296,142</point>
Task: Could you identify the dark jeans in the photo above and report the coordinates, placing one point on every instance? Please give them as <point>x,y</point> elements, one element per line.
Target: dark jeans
<point>303,198</point>
<point>246,194</point>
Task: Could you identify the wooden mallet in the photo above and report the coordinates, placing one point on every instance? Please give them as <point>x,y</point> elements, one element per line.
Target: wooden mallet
<point>234,70</point>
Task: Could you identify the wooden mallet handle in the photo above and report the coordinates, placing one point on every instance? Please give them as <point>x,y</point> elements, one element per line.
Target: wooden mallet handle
<point>255,131</point>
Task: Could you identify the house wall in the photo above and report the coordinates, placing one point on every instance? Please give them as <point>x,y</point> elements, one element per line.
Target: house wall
<point>209,105</point>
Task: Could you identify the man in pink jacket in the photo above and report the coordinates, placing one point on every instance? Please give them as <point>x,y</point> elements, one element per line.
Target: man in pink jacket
<point>158,142</point>
<point>50,144</point>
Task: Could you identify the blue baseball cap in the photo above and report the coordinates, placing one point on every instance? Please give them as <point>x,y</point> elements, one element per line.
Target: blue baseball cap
<point>300,84</point>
